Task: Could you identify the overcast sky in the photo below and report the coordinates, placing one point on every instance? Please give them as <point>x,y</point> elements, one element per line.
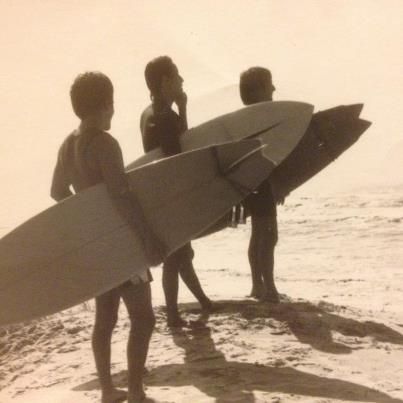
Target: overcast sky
<point>324,52</point>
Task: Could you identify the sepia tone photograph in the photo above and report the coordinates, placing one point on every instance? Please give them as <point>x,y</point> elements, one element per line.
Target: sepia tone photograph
<point>202,201</point>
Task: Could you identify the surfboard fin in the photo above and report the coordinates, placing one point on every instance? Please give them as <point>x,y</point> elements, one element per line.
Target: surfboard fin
<point>231,155</point>
<point>243,164</point>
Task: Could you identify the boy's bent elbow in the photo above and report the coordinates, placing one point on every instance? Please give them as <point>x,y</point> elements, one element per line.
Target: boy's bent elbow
<point>54,195</point>
<point>58,194</point>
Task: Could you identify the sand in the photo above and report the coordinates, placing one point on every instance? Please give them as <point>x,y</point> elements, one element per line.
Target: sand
<point>337,334</point>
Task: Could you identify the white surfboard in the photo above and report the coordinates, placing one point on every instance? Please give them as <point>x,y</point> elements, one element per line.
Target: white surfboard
<point>280,125</point>
<point>81,247</point>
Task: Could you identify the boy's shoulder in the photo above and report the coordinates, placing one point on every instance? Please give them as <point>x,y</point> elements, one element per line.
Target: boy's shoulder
<point>100,135</point>
<point>147,116</point>
<point>155,112</point>
<point>68,140</point>
<point>103,141</point>
<point>148,110</point>
<point>98,138</point>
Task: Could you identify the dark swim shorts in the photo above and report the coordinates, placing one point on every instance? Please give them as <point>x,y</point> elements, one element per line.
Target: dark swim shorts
<point>182,255</point>
<point>261,202</point>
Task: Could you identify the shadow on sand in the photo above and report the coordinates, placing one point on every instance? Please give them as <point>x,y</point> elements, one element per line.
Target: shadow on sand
<point>208,370</point>
<point>312,324</point>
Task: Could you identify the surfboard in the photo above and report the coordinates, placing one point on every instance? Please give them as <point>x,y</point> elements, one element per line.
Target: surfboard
<point>299,144</point>
<point>330,133</point>
<point>280,125</point>
<point>81,247</point>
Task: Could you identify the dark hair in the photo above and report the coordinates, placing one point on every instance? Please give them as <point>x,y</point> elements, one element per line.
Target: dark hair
<point>155,70</point>
<point>90,92</point>
<point>250,83</point>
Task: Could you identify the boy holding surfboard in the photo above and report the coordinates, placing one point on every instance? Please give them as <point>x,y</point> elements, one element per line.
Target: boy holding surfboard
<point>88,156</point>
<point>256,85</point>
<point>161,127</point>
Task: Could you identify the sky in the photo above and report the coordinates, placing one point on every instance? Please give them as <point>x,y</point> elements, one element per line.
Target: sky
<point>324,52</point>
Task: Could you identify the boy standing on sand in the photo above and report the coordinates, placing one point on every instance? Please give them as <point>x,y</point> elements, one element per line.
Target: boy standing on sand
<point>88,156</point>
<point>161,127</point>
<point>255,86</point>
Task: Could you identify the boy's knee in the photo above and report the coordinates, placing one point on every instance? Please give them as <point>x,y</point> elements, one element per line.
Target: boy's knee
<point>105,325</point>
<point>144,321</point>
<point>170,268</point>
<point>150,322</point>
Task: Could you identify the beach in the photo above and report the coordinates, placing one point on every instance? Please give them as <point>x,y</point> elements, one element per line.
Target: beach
<point>337,334</point>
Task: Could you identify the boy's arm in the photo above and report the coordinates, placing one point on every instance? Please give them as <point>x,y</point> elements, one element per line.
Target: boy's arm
<point>181,102</point>
<point>168,134</point>
<point>110,161</point>
<point>60,188</point>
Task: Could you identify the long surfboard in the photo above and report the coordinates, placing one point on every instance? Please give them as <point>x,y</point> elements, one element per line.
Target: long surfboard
<point>329,134</point>
<point>81,247</point>
<point>280,125</point>
<point>299,144</point>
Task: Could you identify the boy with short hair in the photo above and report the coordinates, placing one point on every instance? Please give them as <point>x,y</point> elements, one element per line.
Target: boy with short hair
<point>256,85</point>
<point>88,156</point>
<point>161,127</point>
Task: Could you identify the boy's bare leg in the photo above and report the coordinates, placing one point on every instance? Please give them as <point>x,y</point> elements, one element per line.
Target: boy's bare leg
<point>268,277</point>
<point>256,243</point>
<point>264,241</point>
<point>106,314</point>
<point>189,277</point>
<point>170,285</point>
<point>137,299</point>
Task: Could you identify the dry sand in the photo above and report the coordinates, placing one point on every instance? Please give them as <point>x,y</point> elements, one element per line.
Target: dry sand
<point>247,352</point>
<point>336,336</point>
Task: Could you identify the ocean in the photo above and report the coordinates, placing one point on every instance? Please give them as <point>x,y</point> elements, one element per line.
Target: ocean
<point>325,241</point>
<point>338,264</point>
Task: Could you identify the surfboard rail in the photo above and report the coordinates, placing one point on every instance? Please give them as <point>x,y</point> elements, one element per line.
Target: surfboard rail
<point>82,247</point>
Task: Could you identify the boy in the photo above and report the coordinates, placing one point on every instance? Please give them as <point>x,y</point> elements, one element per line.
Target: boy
<point>88,156</point>
<point>256,85</point>
<point>161,127</point>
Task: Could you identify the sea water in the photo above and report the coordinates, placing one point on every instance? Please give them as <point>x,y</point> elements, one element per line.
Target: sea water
<point>346,248</point>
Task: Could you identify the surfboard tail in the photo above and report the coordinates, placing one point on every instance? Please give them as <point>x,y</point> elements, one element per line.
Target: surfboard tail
<point>342,135</point>
<point>330,134</point>
<point>363,125</point>
<point>355,109</point>
<point>352,111</point>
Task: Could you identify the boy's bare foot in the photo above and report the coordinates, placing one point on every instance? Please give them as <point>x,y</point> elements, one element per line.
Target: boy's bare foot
<point>176,322</point>
<point>137,398</point>
<point>257,292</point>
<point>114,396</point>
<point>209,307</point>
<point>145,399</point>
<point>255,295</point>
<point>271,296</point>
